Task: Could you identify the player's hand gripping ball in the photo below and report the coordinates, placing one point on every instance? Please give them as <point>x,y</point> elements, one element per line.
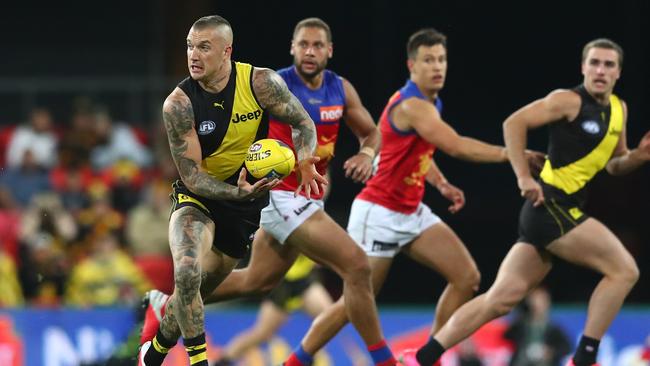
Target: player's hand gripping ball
<point>269,158</point>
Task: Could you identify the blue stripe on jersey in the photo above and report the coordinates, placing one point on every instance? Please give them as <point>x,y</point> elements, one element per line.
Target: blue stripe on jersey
<point>316,102</point>
<point>410,89</point>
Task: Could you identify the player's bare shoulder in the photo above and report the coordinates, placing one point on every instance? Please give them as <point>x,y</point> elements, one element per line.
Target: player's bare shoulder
<point>563,102</point>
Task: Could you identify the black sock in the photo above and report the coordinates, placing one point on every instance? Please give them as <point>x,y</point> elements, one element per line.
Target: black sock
<point>197,350</point>
<point>430,352</point>
<point>586,352</point>
<point>160,346</point>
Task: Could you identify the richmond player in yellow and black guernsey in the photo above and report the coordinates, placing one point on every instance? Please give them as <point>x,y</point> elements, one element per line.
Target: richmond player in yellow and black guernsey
<point>587,134</point>
<point>211,119</point>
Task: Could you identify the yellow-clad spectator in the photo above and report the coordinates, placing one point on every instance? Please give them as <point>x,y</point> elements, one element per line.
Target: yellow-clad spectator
<point>107,277</point>
<point>11,294</point>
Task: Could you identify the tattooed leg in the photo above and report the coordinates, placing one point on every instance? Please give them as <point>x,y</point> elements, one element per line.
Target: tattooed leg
<point>189,229</point>
<point>214,266</point>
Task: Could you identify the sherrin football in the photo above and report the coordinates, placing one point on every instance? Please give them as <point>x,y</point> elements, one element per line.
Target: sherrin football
<point>269,158</point>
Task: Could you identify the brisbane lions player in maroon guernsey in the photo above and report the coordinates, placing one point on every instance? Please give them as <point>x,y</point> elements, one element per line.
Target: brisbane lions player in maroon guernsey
<point>388,215</point>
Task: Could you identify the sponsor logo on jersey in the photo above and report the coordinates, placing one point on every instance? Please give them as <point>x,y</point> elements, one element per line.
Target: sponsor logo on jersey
<point>243,117</point>
<point>591,127</point>
<point>206,127</point>
<point>220,105</point>
<point>331,113</point>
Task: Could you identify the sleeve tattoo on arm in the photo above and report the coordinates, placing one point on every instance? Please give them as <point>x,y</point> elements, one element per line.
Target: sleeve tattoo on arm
<point>178,117</point>
<point>275,96</point>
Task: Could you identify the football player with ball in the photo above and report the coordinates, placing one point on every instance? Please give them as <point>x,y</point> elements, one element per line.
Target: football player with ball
<point>294,221</point>
<point>212,117</point>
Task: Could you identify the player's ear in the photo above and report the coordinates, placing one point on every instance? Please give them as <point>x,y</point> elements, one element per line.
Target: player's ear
<point>291,49</point>
<point>330,50</point>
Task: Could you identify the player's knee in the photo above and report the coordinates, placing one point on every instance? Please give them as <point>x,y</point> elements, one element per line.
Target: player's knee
<point>626,272</point>
<point>470,279</point>
<point>473,280</point>
<point>629,274</point>
<point>187,277</point>
<point>358,265</point>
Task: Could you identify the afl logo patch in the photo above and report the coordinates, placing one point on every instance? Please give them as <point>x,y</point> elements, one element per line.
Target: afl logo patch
<point>591,127</point>
<point>255,147</point>
<point>206,127</point>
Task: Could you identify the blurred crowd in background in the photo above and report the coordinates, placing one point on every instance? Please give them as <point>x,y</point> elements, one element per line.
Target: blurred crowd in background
<point>84,207</point>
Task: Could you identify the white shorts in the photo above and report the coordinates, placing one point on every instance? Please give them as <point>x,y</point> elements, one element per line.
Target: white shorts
<point>382,232</point>
<point>285,213</point>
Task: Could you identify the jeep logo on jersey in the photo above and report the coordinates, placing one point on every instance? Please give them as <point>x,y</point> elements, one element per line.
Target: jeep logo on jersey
<point>591,127</point>
<point>246,116</point>
<point>206,127</point>
<point>331,113</point>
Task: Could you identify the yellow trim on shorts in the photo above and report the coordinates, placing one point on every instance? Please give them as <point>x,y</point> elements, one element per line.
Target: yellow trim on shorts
<point>293,303</point>
<point>301,268</point>
<point>566,215</point>
<point>576,213</point>
<point>182,198</point>
<point>559,223</point>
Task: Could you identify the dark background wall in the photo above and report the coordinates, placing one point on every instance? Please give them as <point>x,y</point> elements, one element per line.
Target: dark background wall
<point>501,56</point>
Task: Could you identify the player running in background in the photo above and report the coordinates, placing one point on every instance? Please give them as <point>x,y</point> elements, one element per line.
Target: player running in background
<point>587,134</point>
<point>388,216</point>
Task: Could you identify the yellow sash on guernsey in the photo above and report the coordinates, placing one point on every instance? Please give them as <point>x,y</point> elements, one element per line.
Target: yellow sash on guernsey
<point>242,128</point>
<point>575,176</point>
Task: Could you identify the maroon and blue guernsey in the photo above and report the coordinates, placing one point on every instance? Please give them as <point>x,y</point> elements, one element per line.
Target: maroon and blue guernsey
<point>325,106</point>
<point>404,160</point>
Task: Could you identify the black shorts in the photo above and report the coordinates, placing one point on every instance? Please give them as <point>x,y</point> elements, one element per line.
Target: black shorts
<point>288,294</point>
<point>543,224</point>
<point>235,222</point>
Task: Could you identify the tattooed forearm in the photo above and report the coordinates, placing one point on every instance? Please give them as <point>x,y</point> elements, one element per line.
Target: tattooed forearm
<point>206,186</point>
<point>273,93</point>
<point>304,139</point>
<point>178,117</point>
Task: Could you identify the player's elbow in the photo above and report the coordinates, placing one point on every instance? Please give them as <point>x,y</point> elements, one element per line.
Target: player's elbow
<point>508,126</point>
<point>191,183</point>
<point>453,147</point>
<point>611,168</point>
